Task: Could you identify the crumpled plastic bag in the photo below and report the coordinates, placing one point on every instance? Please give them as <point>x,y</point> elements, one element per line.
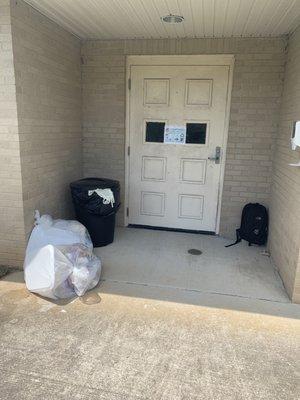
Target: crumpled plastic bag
<point>58,232</point>
<point>86,267</point>
<point>59,261</point>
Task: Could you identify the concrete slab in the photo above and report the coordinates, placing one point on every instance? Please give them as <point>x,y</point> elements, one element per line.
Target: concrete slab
<point>159,258</point>
<point>143,342</point>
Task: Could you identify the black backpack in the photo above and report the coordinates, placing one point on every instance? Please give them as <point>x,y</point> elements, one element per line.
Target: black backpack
<point>254,225</point>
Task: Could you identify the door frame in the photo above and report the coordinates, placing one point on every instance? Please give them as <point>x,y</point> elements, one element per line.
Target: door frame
<point>187,60</point>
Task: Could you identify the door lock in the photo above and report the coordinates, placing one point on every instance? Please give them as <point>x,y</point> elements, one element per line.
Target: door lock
<point>217,156</point>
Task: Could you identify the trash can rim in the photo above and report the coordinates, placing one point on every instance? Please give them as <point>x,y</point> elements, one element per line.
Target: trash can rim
<point>94,183</point>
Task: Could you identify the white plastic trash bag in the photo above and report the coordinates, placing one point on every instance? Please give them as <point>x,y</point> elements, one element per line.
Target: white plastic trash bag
<point>57,232</point>
<point>86,267</point>
<point>59,261</point>
<point>47,271</point>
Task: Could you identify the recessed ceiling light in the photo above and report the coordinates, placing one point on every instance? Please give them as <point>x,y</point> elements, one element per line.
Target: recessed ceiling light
<point>172,19</point>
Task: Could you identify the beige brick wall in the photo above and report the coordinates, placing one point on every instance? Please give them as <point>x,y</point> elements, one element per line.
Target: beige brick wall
<point>284,240</point>
<point>12,240</point>
<point>48,84</point>
<point>40,126</point>
<point>257,87</point>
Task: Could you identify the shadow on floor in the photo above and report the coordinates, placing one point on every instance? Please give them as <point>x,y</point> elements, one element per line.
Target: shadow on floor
<point>14,289</point>
<point>228,302</point>
<point>156,265</point>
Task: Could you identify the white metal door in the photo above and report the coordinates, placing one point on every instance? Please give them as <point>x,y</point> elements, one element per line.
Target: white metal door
<point>173,179</point>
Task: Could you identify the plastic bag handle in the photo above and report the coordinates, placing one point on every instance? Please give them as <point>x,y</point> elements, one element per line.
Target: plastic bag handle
<point>37,217</point>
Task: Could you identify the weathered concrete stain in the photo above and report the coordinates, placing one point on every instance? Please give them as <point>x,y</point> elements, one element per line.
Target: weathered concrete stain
<point>133,347</point>
<point>15,295</point>
<point>90,298</point>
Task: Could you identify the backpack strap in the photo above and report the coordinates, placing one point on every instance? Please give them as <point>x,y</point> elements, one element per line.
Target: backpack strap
<point>238,239</point>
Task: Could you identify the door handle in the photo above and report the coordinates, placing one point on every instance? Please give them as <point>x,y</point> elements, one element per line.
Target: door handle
<point>217,156</point>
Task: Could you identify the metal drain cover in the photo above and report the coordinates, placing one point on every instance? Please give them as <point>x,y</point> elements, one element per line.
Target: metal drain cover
<point>195,252</point>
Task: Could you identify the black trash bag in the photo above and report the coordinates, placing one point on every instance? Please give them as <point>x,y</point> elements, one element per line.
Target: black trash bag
<point>92,212</point>
<point>94,203</point>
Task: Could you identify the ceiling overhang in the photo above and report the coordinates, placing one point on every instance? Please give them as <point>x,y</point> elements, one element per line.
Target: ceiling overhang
<point>142,19</point>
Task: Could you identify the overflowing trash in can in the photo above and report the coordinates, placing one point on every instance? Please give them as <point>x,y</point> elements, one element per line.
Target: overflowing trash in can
<point>59,261</point>
<point>96,202</point>
<point>106,194</point>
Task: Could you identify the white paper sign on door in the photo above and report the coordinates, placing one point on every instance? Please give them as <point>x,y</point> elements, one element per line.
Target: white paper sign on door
<point>175,134</point>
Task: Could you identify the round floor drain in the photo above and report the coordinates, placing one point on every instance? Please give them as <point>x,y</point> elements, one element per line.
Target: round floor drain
<point>195,252</point>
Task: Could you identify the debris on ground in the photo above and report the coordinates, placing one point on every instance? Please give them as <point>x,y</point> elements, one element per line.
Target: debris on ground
<point>6,269</point>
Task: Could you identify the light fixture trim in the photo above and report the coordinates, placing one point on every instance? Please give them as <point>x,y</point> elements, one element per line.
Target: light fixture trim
<point>172,19</point>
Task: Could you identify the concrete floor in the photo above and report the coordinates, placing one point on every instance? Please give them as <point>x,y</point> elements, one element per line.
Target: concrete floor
<point>144,342</point>
<point>159,258</point>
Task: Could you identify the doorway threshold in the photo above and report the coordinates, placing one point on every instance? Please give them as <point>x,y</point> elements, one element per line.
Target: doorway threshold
<point>163,228</point>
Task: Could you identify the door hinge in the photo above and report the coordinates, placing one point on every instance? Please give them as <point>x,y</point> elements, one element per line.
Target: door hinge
<point>127,211</point>
<point>129,84</point>
<point>128,151</point>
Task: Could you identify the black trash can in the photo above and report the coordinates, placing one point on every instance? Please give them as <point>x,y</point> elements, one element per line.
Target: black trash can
<point>92,212</point>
